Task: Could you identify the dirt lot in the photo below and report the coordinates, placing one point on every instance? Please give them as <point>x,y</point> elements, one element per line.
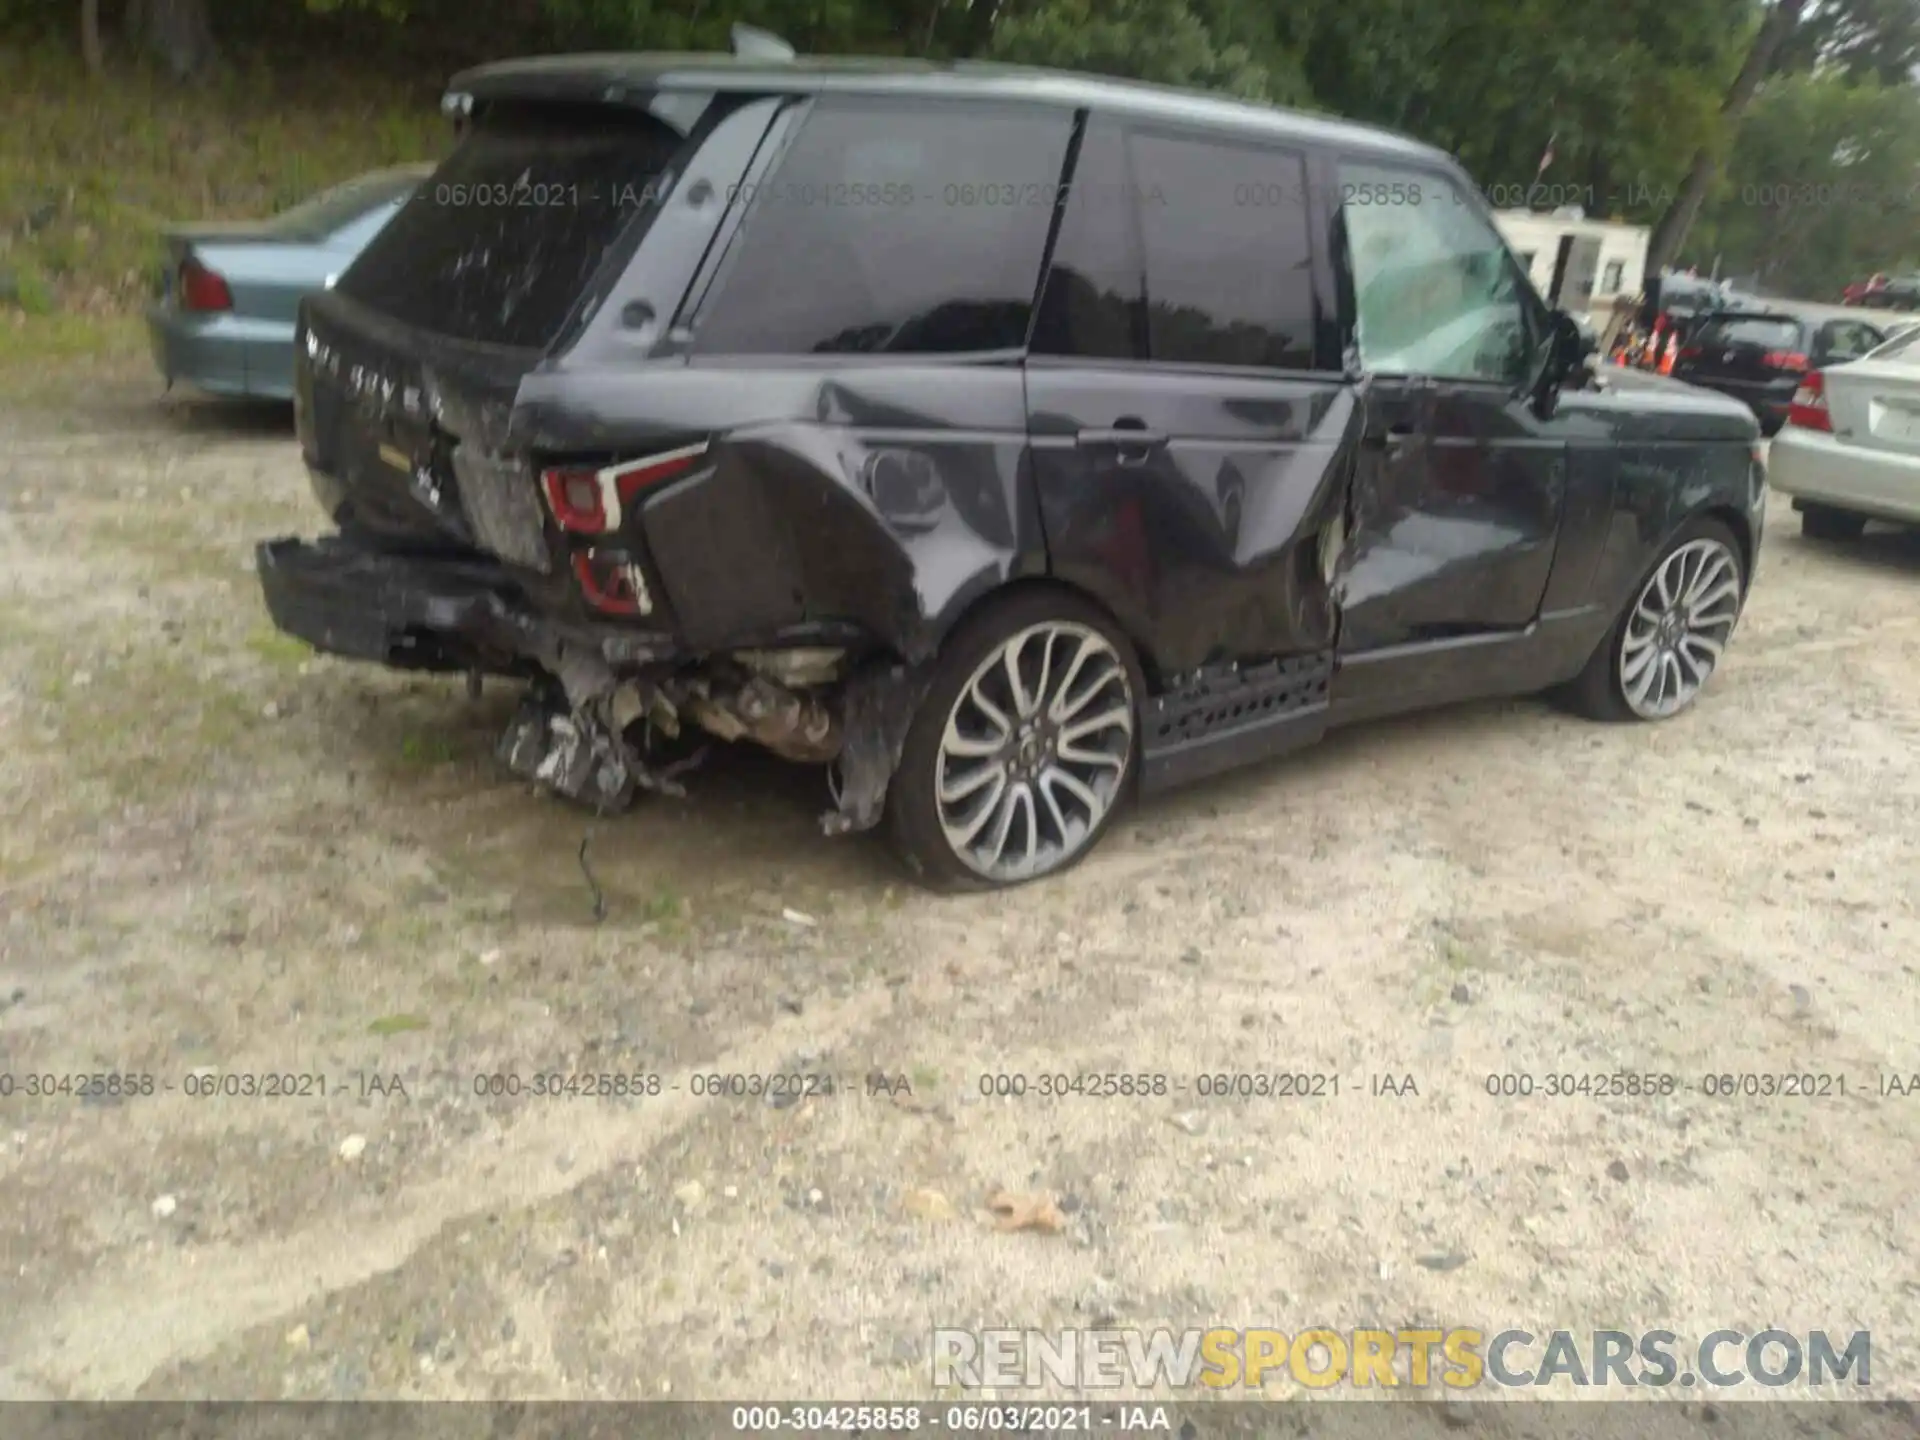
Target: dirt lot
<point>222,855</point>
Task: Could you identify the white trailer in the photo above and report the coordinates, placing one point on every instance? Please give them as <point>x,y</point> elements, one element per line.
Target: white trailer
<point>1586,267</point>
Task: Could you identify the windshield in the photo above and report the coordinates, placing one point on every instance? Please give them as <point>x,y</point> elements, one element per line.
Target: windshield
<point>502,241</point>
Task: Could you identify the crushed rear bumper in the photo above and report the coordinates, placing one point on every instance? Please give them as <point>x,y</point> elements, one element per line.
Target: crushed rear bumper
<point>592,689</point>
<point>407,611</point>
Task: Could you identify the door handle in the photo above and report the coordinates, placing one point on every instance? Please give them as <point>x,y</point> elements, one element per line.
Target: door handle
<point>1134,442</point>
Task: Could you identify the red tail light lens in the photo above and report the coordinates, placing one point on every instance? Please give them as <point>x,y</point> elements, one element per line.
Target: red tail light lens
<point>593,501</point>
<point>1809,408</point>
<point>613,584</point>
<point>1784,360</point>
<point>576,500</point>
<point>1690,352</point>
<point>201,289</point>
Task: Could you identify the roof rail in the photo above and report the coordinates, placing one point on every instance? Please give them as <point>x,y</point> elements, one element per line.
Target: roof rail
<point>752,43</point>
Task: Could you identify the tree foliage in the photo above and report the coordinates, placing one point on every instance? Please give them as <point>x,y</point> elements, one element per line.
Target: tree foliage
<point>1654,110</point>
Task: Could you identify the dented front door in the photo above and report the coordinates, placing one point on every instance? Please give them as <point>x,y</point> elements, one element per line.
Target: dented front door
<point>1456,509</point>
<point>1459,484</point>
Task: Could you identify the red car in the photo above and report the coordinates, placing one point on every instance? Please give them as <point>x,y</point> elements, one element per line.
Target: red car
<point>1861,291</point>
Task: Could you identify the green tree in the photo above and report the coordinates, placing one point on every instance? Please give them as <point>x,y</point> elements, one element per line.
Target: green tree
<point>1822,186</point>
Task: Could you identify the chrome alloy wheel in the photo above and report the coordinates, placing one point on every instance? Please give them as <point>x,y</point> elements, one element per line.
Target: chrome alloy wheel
<point>1678,628</point>
<point>1035,751</point>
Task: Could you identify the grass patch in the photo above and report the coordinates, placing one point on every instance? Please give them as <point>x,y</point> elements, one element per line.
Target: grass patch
<point>92,170</point>
<point>61,340</point>
<point>397,1024</point>
<point>283,652</point>
<point>428,750</point>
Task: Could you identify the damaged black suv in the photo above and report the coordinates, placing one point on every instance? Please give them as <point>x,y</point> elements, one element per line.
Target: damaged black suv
<point>1007,440</point>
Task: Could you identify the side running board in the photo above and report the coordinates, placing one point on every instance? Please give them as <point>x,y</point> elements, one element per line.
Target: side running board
<point>1226,716</point>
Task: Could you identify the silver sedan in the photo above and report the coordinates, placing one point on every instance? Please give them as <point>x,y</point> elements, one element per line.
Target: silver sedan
<point>228,294</point>
<point>1850,450</point>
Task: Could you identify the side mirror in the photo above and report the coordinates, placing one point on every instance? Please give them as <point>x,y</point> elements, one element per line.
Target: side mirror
<point>1569,345</point>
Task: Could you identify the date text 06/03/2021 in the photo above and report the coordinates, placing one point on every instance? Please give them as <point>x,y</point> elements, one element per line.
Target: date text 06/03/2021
<point>968,1419</point>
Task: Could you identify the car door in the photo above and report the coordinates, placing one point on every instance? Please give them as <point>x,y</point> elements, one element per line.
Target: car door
<point>1187,414</point>
<point>1460,484</point>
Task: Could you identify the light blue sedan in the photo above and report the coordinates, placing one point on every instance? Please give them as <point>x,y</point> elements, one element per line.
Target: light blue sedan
<point>228,294</point>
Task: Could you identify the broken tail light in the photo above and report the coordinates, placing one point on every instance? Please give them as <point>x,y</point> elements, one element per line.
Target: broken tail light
<point>612,583</point>
<point>1784,360</point>
<point>1809,408</point>
<point>201,289</point>
<point>593,500</point>
<point>576,500</point>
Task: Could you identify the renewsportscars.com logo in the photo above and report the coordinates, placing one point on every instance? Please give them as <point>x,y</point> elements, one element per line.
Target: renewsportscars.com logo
<point>1460,1358</point>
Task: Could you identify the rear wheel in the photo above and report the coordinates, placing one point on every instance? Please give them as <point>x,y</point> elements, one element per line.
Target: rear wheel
<point>1824,522</point>
<point>1022,750</point>
<point>1669,640</point>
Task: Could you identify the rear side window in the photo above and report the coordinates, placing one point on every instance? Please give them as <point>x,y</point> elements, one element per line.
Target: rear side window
<point>890,228</point>
<point>501,241</point>
<point>1772,332</point>
<point>1184,251</point>
<point>1229,266</point>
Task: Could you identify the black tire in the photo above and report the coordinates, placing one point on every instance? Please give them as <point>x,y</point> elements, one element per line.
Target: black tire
<point>1824,522</point>
<point>913,810</point>
<point>1596,693</point>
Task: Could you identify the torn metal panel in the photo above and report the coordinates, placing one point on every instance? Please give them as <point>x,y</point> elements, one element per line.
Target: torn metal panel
<point>876,708</point>
<point>568,754</point>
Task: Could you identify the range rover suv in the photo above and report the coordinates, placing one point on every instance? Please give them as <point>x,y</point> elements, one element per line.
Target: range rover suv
<point>1007,441</point>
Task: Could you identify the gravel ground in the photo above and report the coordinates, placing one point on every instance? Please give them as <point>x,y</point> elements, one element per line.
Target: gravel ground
<point>227,857</point>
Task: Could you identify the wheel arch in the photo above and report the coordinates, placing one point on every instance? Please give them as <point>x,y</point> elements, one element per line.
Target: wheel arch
<point>988,600</point>
<point>1737,521</point>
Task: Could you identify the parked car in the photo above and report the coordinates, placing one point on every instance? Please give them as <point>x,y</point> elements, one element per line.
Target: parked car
<point>1761,357</point>
<point>1864,292</point>
<point>1850,452</point>
<point>1007,439</point>
<point>1883,292</point>
<point>227,295</point>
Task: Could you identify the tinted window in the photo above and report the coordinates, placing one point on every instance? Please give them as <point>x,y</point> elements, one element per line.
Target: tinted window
<point>894,229</point>
<point>1773,332</point>
<point>1616,275</point>
<point>1224,231</point>
<point>1435,291</point>
<point>503,239</point>
<point>1095,303</point>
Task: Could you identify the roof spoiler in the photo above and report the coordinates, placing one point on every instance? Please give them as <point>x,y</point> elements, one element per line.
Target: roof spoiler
<point>752,43</point>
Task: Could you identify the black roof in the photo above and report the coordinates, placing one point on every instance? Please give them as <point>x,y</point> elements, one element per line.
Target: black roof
<point>634,78</point>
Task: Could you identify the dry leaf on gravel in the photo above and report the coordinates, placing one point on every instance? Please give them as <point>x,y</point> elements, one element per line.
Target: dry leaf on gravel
<point>1022,1211</point>
<point>927,1204</point>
